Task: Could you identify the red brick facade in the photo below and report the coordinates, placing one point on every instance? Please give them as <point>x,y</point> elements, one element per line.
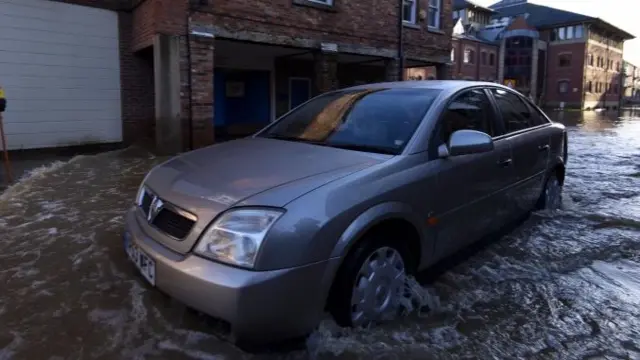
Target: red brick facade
<point>479,67</point>
<point>357,28</point>
<point>560,72</point>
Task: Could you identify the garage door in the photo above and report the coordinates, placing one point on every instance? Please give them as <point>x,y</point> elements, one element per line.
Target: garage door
<point>60,68</point>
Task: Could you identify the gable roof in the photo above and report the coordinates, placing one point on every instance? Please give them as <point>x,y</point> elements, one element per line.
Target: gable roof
<point>541,16</point>
<point>465,4</point>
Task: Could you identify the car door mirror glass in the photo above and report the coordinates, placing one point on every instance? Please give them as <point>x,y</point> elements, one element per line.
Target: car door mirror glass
<point>465,142</point>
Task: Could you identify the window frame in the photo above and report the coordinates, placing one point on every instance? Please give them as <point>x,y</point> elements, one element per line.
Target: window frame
<point>565,56</point>
<point>432,146</point>
<point>414,12</point>
<point>533,108</point>
<point>438,8</point>
<point>563,81</point>
<point>472,54</point>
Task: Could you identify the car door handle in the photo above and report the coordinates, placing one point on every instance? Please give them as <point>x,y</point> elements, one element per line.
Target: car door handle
<point>505,162</point>
<point>544,147</point>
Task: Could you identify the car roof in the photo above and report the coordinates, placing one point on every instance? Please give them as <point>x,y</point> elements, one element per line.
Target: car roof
<point>447,85</point>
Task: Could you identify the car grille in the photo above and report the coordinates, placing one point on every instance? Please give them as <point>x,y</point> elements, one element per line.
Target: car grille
<point>167,220</point>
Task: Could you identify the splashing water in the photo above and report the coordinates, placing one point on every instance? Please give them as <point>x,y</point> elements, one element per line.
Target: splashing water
<point>565,285</point>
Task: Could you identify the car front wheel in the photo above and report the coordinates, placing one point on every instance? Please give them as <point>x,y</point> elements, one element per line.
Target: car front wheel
<point>551,197</point>
<point>371,285</point>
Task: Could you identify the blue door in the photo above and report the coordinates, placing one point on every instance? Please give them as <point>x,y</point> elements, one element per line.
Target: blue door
<point>299,91</point>
<point>241,97</point>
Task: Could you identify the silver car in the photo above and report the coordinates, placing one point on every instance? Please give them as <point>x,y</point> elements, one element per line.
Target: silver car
<point>335,203</point>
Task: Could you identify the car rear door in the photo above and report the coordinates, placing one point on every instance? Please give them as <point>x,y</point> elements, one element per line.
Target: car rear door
<point>472,201</point>
<point>530,139</point>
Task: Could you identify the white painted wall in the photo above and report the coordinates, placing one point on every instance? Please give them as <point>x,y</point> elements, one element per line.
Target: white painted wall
<point>60,68</point>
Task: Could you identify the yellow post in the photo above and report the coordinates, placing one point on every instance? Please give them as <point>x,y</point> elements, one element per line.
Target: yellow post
<point>3,139</point>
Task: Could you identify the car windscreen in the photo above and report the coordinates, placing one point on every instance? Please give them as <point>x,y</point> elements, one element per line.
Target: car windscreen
<point>374,120</point>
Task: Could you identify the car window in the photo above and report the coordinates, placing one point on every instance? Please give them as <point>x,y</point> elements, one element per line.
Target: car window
<point>515,113</point>
<point>377,120</point>
<point>537,118</point>
<point>468,111</point>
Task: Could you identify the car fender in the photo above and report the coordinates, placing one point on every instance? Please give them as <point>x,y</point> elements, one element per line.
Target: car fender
<point>375,215</point>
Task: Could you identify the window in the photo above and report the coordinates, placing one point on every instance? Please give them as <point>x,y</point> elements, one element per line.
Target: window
<point>589,86</point>
<point>469,56</point>
<point>453,55</point>
<point>469,111</point>
<point>562,35</point>
<point>483,58</point>
<point>590,61</point>
<point>563,87</point>
<point>579,33</point>
<point>564,60</point>
<point>617,66</point>
<point>598,87</point>
<point>375,120</point>
<point>409,11</point>
<point>434,14</point>
<point>569,32</point>
<point>515,113</point>
<point>492,59</point>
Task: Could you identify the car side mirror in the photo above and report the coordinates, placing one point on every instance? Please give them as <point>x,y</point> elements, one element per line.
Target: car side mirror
<point>465,142</point>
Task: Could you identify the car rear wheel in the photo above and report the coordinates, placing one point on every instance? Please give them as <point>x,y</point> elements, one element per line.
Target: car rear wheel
<point>551,197</point>
<point>371,285</point>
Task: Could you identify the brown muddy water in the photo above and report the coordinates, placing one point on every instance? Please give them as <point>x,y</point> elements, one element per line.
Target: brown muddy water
<point>564,285</point>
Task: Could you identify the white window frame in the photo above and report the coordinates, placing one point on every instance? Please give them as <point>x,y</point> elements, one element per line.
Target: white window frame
<point>438,8</point>
<point>323,2</point>
<point>564,81</point>
<point>466,56</point>
<point>294,78</point>
<point>414,12</point>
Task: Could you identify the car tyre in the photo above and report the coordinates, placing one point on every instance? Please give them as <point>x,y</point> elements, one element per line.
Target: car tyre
<point>371,282</point>
<point>551,197</point>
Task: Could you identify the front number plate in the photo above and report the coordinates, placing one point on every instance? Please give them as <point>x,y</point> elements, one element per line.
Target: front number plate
<point>143,262</point>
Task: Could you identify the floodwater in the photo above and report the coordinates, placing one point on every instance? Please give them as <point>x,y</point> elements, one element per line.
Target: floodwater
<point>564,285</point>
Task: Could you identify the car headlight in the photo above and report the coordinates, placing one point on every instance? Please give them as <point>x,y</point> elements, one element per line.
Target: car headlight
<point>235,238</point>
<point>140,194</point>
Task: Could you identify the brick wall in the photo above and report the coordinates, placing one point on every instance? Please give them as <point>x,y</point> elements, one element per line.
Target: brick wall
<point>197,100</point>
<point>158,16</point>
<point>573,73</point>
<point>352,22</point>
<point>137,85</point>
<point>422,42</point>
<point>475,70</point>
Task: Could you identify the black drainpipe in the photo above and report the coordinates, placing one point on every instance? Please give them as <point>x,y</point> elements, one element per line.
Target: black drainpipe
<point>400,41</point>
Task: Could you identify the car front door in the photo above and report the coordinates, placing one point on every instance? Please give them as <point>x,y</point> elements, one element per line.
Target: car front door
<point>530,140</point>
<point>472,202</point>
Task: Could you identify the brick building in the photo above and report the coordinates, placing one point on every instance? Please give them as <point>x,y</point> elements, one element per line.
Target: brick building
<point>557,57</point>
<point>189,72</point>
<point>473,57</point>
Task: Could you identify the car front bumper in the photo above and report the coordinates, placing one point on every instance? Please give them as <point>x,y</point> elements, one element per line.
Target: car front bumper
<point>260,306</point>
